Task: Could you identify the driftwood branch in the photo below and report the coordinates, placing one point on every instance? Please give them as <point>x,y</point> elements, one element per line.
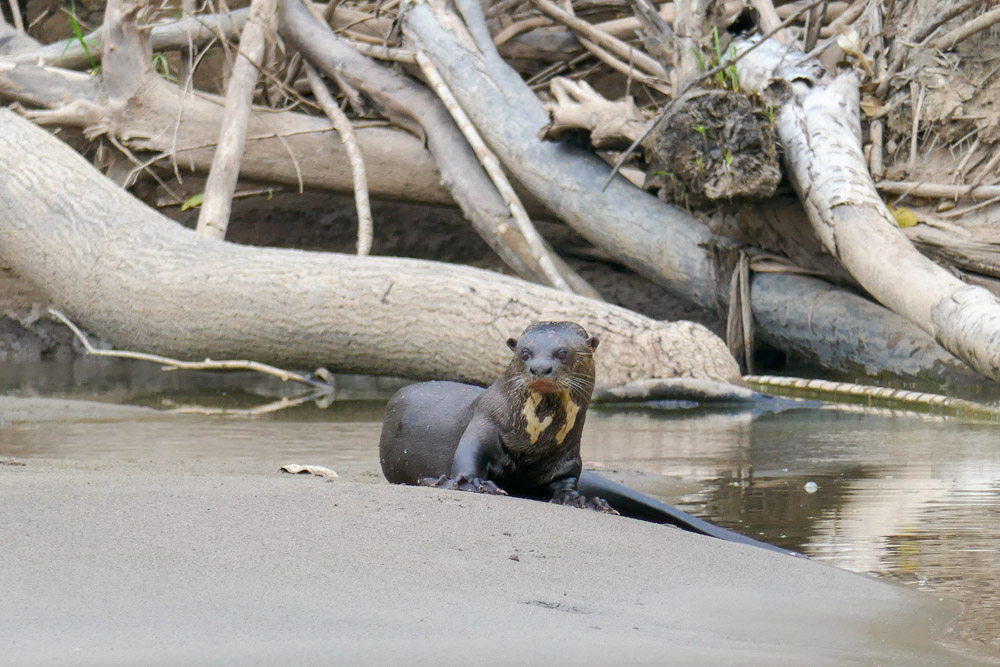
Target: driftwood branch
<point>399,165</point>
<point>637,229</point>
<point>190,30</point>
<point>15,13</point>
<point>602,39</point>
<point>492,166</point>
<point>413,106</point>
<point>819,127</point>
<point>660,241</point>
<point>343,125</point>
<point>939,190</point>
<point>213,218</point>
<point>963,32</point>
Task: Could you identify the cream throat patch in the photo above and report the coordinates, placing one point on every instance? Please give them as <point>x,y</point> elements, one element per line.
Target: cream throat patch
<point>535,426</point>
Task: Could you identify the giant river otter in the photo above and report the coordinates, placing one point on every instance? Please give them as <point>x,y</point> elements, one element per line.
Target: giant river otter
<point>520,435</point>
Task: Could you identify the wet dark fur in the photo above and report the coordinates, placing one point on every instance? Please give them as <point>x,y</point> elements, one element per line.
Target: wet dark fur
<point>439,429</point>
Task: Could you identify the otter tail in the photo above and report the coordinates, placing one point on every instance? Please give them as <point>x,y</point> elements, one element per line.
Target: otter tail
<point>640,506</point>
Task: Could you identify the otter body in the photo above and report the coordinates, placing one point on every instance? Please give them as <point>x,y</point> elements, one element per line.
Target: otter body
<point>519,436</point>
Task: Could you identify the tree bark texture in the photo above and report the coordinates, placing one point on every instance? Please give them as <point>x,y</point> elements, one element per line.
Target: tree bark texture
<point>819,129</point>
<point>141,281</point>
<point>846,333</point>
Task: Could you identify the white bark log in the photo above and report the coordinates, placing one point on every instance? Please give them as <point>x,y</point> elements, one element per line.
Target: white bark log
<point>143,282</point>
<point>819,129</point>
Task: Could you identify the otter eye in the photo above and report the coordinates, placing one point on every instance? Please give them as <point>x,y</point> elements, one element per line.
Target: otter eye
<point>561,354</point>
<point>525,354</point>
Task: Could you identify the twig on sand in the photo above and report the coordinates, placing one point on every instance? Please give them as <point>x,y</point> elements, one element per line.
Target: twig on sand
<point>266,409</point>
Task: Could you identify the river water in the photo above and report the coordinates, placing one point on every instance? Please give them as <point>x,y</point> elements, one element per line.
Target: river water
<point>912,499</point>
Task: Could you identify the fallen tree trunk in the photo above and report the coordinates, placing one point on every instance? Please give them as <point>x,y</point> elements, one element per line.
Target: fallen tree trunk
<point>804,316</point>
<point>182,126</point>
<point>819,128</point>
<point>141,281</point>
<point>847,334</point>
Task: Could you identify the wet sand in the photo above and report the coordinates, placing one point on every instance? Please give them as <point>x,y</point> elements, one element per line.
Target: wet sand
<point>195,562</point>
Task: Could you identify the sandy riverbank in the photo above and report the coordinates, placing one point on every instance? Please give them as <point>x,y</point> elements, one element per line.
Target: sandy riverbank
<point>173,564</point>
<point>162,562</point>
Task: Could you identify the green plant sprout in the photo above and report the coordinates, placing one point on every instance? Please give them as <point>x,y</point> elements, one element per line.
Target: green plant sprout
<point>161,65</point>
<point>75,24</point>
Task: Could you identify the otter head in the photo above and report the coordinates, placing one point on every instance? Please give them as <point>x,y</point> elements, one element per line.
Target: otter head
<point>554,357</point>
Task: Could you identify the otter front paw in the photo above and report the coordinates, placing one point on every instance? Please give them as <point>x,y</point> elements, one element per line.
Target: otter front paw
<point>462,483</point>
<point>574,499</point>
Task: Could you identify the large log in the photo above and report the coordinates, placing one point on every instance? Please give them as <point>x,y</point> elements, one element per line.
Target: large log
<point>141,281</point>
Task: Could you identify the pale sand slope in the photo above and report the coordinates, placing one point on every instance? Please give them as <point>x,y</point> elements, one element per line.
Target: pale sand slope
<point>113,564</point>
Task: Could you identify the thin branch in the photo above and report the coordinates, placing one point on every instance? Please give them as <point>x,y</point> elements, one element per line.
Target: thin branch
<point>515,29</point>
<point>492,166</point>
<point>981,22</point>
<point>916,105</point>
<point>902,47</point>
<point>389,53</point>
<point>602,39</point>
<point>208,364</point>
<point>213,218</point>
<point>343,125</point>
<point>15,12</point>
<point>769,20</point>
<point>940,190</point>
<point>969,209</point>
<point>848,16</point>
<point>622,68</point>
<point>266,409</point>
<point>73,52</point>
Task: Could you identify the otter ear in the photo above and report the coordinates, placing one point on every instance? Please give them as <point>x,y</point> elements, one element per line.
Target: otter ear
<point>593,341</point>
<point>512,343</point>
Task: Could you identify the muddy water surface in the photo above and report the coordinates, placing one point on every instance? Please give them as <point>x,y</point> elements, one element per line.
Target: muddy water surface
<point>910,499</point>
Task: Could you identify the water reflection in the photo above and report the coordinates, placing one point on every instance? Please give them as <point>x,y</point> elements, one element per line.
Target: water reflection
<point>912,499</point>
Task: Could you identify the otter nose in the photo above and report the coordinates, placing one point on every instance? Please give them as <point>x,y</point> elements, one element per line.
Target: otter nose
<point>540,369</point>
